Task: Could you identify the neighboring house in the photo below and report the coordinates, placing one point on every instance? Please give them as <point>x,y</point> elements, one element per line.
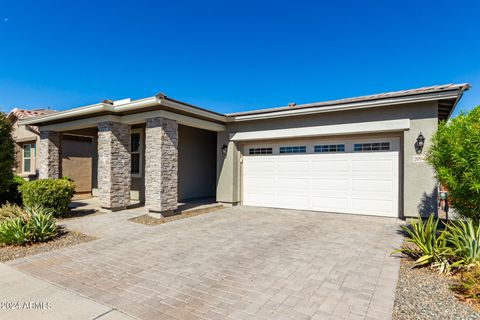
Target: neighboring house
<point>361,155</point>
<point>76,151</point>
<point>26,140</point>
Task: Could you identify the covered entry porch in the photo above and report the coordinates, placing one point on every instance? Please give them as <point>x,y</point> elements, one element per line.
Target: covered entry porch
<point>156,158</point>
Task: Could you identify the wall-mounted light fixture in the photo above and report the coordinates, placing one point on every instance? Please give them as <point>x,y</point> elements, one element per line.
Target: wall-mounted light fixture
<point>420,143</point>
<point>224,149</point>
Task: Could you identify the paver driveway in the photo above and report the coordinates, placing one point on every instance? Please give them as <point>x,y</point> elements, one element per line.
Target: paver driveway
<point>237,263</point>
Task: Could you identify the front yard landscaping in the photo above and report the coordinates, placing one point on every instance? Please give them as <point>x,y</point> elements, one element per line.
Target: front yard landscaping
<point>423,293</point>
<point>440,271</point>
<point>149,220</point>
<point>32,228</point>
<point>64,238</point>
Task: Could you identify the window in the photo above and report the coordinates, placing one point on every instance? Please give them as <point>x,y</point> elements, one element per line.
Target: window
<point>330,148</point>
<point>29,157</point>
<point>260,151</point>
<point>377,146</point>
<point>136,152</point>
<point>294,149</point>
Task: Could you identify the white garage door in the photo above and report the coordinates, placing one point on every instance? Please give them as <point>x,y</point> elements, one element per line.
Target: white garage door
<point>355,176</point>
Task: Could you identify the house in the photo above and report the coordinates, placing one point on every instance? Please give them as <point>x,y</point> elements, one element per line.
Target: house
<point>76,151</point>
<point>363,155</point>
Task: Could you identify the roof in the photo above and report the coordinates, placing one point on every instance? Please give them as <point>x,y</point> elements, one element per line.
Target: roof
<point>374,97</point>
<point>21,114</point>
<point>447,96</point>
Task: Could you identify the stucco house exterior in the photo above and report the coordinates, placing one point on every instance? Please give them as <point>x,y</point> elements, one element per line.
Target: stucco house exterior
<point>76,151</point>
<point>362,155</point>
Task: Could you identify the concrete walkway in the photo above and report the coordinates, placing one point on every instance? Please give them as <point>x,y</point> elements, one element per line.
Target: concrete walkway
<point>236,263</point>
<point>26,297</point>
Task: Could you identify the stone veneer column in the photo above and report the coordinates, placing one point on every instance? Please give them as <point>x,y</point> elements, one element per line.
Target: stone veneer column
<point>161,165</point>
<point>50,158</point>
<point>114,165</point>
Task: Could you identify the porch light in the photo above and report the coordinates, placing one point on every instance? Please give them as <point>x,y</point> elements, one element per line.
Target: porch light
<point>420,143</point>
<point>224,150</point>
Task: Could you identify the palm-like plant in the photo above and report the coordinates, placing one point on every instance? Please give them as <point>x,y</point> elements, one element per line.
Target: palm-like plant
<point>464,238</point>
<point>429,246</point>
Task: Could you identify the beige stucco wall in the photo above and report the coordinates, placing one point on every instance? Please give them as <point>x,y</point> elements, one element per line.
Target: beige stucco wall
<point>196,163</point>
<point>22,135</point>
<point>418,178</point>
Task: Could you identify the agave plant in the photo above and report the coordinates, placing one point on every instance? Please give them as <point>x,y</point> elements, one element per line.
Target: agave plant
<point>429,247</point>
<point>41,223</point>
<point>464,238</point>
<point>14,231</point>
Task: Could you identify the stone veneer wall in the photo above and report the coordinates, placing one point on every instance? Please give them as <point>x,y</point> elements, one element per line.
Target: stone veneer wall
<point>50,164</point>
<point>114,164</point>
<point>161,164</point>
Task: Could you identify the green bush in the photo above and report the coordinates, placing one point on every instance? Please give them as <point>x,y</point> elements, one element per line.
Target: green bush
<point>54,194</point>
<point>455,156</point>
<point>9,210</point>
<point>7,158</point>
<point>32,225</point>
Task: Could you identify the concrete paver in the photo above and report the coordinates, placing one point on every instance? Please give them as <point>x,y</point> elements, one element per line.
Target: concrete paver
<point>237,263</point>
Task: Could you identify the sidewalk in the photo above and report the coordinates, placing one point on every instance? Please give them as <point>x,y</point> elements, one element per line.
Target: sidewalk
<point>23,296</point>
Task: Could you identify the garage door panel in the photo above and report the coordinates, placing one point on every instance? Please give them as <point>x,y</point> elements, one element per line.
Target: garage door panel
<point>292,167</point>
<point>373,165</point>
<point>372,206</point>
<point>329,184</point>
<point>289,184</point>
<point>348,182</point>
<point>329,203</point>
<point>375,185</point>
<point>319,165</point>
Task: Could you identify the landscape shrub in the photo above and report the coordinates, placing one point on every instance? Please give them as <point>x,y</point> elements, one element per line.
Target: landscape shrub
<point>455,156</point>
<point>468,284</point>
<point>456,246</point>
<point>7,158</point>
<point>9,210</point>
<point>54,194</point>
<point>31,225</point>
<point>464,239</point>
<point>12,193</point>
<point>430,247</point>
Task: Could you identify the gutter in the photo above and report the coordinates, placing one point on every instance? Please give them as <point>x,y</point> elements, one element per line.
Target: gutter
<point>131,106</point>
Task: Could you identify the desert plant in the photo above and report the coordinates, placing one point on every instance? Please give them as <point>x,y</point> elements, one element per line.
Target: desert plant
<point>464,239</point>
<point>41,224</point>
<point>468,284</point>
<point>34,224</point>
<point>427,245</point>
<point>14,231</point>
<point>7,158</point>
<point>455,154</point>
<point>54,194</point>
<point>9,210</point>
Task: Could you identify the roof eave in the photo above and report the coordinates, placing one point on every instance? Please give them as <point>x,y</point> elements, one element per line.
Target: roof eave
<point>348,106</point>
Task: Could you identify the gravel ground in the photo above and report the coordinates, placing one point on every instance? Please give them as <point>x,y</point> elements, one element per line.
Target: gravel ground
<point>424,294</point>
<point>65,239</point>
<point>152,221</point>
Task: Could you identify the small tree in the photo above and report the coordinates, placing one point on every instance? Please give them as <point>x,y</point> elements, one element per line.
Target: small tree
<point>7,157</point>
<point>455,156</point>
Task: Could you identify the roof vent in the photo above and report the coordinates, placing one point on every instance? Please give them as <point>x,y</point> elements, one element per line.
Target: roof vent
<point>107,101</point>
<point>292,104</point>
<point>161,95</point>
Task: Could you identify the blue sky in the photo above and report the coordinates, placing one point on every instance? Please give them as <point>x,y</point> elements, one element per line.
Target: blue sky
<point>232,55</point>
